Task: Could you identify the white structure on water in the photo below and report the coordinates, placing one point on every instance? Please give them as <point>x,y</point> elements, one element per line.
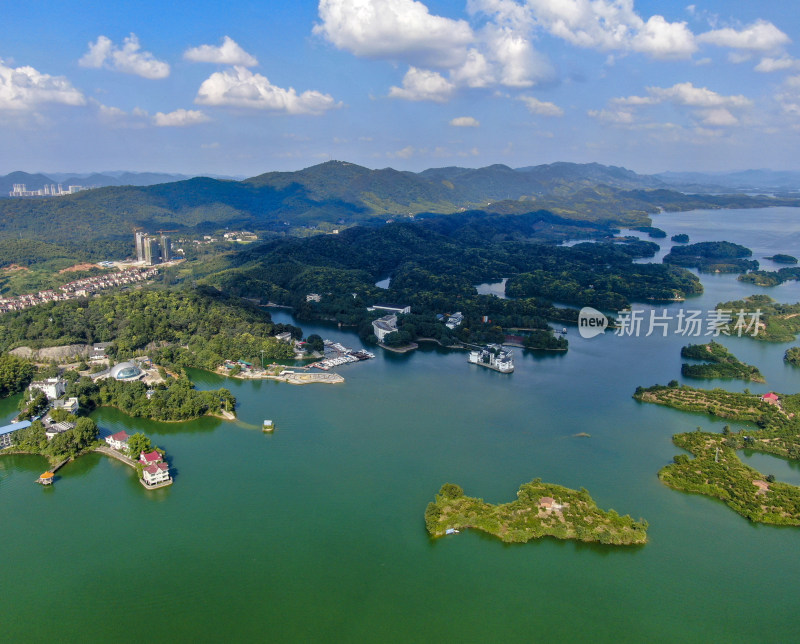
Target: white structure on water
<point>155,474</point>
<point>495,357</point>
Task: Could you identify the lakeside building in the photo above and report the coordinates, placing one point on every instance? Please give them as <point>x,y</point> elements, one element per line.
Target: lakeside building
<point>57,428</point>
<point>118,441</point>
<point>151,458</point>
<point>384,326</point>
<point>770,398</point>
<point>53,388</point>
<point>313,297</point>
<point>70,405</point>
<point>7,432</point>
<point>156,474</point>
<point>126,371</point>
<point>494,357</point>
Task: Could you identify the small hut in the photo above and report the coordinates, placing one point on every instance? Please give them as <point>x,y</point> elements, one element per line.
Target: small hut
<point>46,478</point>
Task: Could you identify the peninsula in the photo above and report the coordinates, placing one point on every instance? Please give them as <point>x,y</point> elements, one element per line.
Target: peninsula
<point>720,363</point>
<point>777,322</point>
<point>541,510</point>
<point>716,469</point>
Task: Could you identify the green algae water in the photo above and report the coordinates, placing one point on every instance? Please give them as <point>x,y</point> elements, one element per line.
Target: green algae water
<point>316,532</point>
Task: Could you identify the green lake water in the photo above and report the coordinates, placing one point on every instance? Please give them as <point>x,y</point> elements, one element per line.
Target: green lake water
<point>316,533</point>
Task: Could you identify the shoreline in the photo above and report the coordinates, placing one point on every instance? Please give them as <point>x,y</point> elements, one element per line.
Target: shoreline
<point>290,377</point>
<point>404,349</point>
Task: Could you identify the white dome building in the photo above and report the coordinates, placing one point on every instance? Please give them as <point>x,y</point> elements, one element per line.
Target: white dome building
<point>125,371</point>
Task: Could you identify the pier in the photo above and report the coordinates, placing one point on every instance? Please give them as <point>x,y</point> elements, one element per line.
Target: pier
<point>49,476</point>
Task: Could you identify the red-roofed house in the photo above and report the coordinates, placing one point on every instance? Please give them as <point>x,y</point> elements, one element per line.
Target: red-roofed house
<point>150,458</point>
<point>546,502</point>
<point>118,441</point>
<point>155,474</point>
<point>770,398</point>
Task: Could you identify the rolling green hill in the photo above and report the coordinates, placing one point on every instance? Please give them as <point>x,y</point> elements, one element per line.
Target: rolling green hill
<point>342,194</point>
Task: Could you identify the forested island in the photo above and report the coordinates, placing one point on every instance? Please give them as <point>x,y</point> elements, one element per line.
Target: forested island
<point>771,278</point>
<point>712,257</point>
<point>792,356</point>
<point>173,400</point>
<point>652,231</point>
<point>777,322</point>
<point>540,510</point>
<point>723,364</point>
<point>781,258</point>
<point>681,238</point>
<point>716,469</point>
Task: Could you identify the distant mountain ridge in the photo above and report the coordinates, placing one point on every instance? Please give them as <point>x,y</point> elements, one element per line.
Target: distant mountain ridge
<point>338,193</point>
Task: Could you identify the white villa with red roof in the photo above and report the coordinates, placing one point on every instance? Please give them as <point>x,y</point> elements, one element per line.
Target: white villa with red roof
<point>118,441</point>
<point>156,474</point>
<point>770,398</point>
<point>151,458</point>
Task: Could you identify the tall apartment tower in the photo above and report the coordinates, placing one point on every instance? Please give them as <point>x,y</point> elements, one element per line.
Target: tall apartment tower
<point>140,237</point>
<point>166,248</point>
<point>152,251</point>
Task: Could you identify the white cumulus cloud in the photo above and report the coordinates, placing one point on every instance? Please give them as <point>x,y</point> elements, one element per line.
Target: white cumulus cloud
<point>610,25</point>
<point>661,39</point>
<point>689,95</point>
<point>761,36</point>
<point>705,106</point>
<point>23,88</point>
<point>423,85</point>
<point>499,53</point>
<point>401,29</point>
<point>118,118</point>
<point>179,118</point>
<point>405,153</point>
<point>542,108</point>
<point>768,64</point>
<point>239,87</point>
<point>465,121</point>
<point>228,53</point>
<point>128,59</point>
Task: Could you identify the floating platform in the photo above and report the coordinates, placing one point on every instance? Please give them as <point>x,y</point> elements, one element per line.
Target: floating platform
<point>268,426</point>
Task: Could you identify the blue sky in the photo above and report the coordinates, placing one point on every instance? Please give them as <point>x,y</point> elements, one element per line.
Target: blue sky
<point>247,87</point>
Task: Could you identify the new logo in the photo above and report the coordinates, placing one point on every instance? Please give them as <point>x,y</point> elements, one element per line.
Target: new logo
<point>591,322</point>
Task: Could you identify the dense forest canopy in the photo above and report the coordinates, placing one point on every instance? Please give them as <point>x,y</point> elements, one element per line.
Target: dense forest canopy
<point>202,317</point>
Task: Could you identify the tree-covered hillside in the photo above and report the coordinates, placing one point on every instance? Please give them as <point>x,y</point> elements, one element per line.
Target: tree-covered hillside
<point>343,194</point>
